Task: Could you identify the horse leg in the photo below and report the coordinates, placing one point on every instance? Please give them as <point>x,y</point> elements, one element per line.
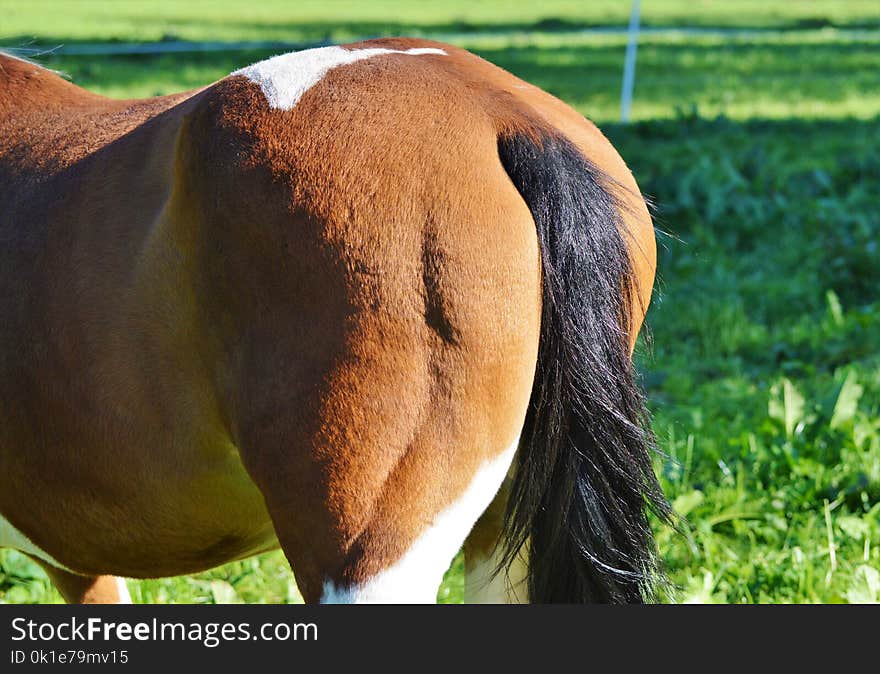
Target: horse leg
<point>484,582</point>
<point>394,550</point>
<point>380,440</point>
<point>371,492</point>
<point>78,589</point>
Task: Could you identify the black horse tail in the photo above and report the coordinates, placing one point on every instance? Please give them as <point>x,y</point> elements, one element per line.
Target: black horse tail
<point>583,483</point>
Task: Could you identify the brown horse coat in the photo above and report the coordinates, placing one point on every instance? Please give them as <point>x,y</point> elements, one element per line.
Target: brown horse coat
<point>226,325</point>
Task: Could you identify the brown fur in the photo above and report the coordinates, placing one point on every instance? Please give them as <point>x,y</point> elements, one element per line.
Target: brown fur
<point>223,323</point>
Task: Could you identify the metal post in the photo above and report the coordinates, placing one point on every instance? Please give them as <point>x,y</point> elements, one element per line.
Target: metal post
<point>629,64</point>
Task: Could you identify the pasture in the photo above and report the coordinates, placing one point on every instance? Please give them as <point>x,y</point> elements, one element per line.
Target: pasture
<point>761,153</point>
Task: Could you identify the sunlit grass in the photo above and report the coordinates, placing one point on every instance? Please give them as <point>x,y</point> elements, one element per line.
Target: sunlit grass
<point>150,20</point>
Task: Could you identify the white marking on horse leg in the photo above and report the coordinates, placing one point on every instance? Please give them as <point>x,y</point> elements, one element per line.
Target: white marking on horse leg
<point>414,578</point>
<point>285,78</point>
<point>10,537</point>
<point>124,597</point>
<point>481,587</point>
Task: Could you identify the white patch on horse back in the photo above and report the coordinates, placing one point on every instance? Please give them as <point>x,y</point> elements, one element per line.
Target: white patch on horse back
<point>415,578</point>
<point>285,78</point>
<point>123,595</point>
<point>10,537</point>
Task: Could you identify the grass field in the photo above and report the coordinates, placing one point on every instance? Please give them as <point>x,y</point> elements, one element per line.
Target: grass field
<point>763,157</point>
<point>77,20</point>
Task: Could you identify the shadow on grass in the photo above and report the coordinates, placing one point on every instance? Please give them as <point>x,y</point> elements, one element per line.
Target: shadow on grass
<point>341,28</point>
<point>328,29</point>
<point>770,265</point>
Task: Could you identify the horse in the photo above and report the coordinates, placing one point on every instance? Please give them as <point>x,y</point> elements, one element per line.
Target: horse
<point>371,304</point>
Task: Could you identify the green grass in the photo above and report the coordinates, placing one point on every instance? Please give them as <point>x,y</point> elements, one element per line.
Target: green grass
<point>765,371</point>
<point>763,157</point>
<point>78,20</point>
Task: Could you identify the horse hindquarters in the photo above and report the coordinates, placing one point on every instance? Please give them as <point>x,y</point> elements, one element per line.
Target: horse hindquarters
<point>376,469</point>
<point>377,324</point>
<point>379,301</point>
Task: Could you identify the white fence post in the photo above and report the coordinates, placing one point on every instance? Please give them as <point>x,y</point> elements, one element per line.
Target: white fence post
<point>629,64</point>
